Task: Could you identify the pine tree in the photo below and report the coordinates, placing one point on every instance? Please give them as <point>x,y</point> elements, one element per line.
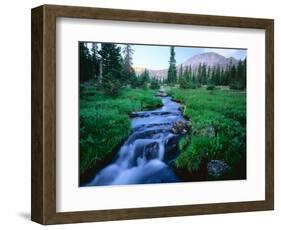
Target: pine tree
<point>186,74</point>
<point>85,70</point>
<point>144,79</point>
<point>213,76</point>
<point>217,75</point>
<point>181,73</point>
<point>204,74</point>
<point>95,60</point>
<point>244,74</point>
<point>172,71</point>
<point>189,76</point>
<point>111,60</point>
<point>199,74</point>
<point>232,75</point>
<point>128,63</point>
<point>209,75</point>
<point>240,72</point>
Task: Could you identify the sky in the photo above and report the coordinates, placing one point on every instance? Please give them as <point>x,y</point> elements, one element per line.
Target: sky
<point>157,57</point>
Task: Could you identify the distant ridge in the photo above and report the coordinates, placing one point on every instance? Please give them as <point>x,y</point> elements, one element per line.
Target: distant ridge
<point>211,59</point>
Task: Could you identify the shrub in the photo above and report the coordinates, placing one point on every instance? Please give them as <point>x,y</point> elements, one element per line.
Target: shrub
<point>210,87</point>
<point>154,85</point>
<point>183,83</point>
<point>111,86</point>
<point>236,85</point>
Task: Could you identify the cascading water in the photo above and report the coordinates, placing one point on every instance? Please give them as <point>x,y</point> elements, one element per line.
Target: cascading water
<point>145,156</point>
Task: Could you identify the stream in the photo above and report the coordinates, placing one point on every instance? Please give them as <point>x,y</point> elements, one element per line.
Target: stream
<point>146,155</point>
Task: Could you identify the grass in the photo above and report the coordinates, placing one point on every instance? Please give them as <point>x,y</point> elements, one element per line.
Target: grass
<point>218,121</point>
<point>105,122</point>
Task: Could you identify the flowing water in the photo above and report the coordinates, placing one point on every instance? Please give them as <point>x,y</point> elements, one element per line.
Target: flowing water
<point>145,156</point>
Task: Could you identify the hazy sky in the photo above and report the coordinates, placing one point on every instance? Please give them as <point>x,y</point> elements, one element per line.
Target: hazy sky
<point>157,57</point>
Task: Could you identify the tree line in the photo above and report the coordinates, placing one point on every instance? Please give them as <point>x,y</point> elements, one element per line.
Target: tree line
<point>233,75</point>
<point>108,69</point>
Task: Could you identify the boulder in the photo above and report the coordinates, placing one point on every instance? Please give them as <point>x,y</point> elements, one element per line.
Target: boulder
<point>151,150</point>
<point>180,127</point>
<point>217,168</point>
<point>171,148</point>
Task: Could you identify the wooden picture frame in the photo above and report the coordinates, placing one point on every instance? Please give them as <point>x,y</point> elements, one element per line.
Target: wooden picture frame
<point>43,208</point>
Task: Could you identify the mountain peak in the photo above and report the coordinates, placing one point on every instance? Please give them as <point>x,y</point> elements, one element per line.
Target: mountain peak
<point>210,59</point>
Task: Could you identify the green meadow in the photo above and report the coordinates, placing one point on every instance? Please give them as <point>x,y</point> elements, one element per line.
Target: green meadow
<point>218,128</point>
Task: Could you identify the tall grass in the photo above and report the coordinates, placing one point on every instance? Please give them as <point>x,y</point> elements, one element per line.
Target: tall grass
<point>105,122</point>
<point>218,121</point>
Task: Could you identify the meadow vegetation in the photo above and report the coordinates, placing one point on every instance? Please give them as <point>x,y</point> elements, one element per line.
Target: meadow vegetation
<point>218,128</point>
<point>213,101</point>
<point>105,121</point>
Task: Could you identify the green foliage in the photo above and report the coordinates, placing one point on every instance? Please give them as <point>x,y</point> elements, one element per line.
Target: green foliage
<point>218,120</point>
<point>128,72</point>
<point>85,62</point>
<point>154,85</point>
<point>172,71</point>
<point>236,85</point>
<point>210,87</point>
<point>111,86</point>
<point>100,130</point>
<point>111,60</point>
<point>142,80</point>
<point>185,84</point>
<point>105,122</point>
<point>238,76</point>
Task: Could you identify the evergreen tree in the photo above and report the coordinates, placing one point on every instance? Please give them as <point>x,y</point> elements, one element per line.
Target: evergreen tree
<point>213,76</point>
<point>172,71</point>
<point>233,77</point>
<point>217,75</point>
<point>209,75</point>
<point>181,73</point>
<point>128,63</point>
<point>186,73</point>
<point>244,74</point>
<point>111,60</point>
<point>240,75</point>
<point>204,74</point>
<point>85,70</point>
<point>199,73</point>
<point>95,60</point>
<point>143,79</point>
<point>222,76</point>
<point>111,67</point>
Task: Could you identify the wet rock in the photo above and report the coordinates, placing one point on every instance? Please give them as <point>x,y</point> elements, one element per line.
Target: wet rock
<point>151,150</point>
<point>180,127</point>
<point>171,147</point>
<point>161,94</point>
<point>161,113</point>
<point>139,114</point>
<point>217,168</point>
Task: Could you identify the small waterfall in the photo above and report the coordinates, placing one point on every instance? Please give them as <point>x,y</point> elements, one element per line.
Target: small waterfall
<point>145,155</point>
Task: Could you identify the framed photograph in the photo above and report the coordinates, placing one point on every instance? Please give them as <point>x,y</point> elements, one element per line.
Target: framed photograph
<point>139,114</point>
